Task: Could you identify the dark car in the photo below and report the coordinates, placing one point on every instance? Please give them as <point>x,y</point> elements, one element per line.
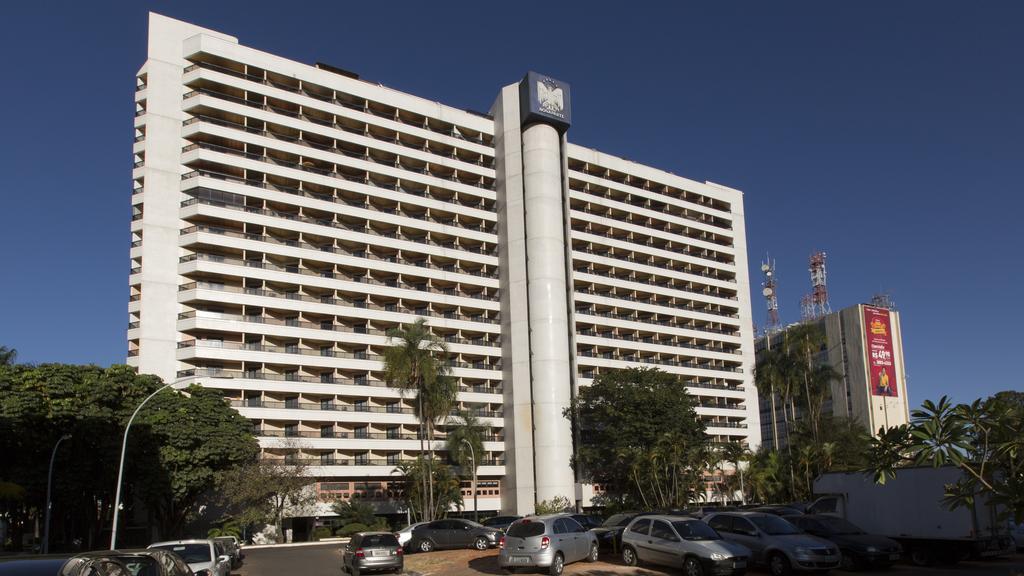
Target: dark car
<point>368,551</point>
<point>99,563</point>
<point>859,549</point>
<point>453,533</point>
<point>784,511</point>
<point>775,542</point>
<point>500,522</point>
<point>609,533</point>
<point>587,521</point>
<point>702,511</point>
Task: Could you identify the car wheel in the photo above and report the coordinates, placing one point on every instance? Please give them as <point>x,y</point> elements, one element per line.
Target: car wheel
<point>778,565</point>
<point>557,565</point>
<point>629,556</point>
<point>426,546</point>
<point>354,571</point>
<point>480,543</point>
<point>592,557</point>
<point>692,567</point>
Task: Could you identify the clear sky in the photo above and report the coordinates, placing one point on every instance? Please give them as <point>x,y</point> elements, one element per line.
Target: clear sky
<point>890,134</point>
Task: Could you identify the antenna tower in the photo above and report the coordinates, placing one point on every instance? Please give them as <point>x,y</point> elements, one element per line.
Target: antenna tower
<point>771,295</point>
<point>816,304</point>
<point>883,300</point>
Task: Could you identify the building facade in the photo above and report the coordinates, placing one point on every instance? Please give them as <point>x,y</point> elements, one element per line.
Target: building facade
<point>864,345</point>
<point>286,216</point>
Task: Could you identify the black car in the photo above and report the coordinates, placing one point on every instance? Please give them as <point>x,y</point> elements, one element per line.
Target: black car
<point>99,563</point>
<point>453,533</point>
<point>784,511</point>
<point>500,522</point>
<point>588,522</point>
<point>859,549</point>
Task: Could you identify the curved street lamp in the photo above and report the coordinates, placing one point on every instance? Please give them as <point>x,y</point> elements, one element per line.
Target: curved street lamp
<point>177,385</point>
<point>472,460</point>
<point>49,485</point>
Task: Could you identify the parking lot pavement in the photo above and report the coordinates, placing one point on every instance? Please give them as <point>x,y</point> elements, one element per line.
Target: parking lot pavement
<point>325,561</point>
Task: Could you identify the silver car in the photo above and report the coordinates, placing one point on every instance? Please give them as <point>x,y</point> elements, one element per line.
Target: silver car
<point>775,542</point>
<point>204,557</point>
<point>682,542</point>
<point>375,551</point>
<point>549,542</point>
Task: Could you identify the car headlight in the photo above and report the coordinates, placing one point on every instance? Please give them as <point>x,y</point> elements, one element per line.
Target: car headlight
<point>802,551</point>
<point>716,556</point>
<point>872,549</point>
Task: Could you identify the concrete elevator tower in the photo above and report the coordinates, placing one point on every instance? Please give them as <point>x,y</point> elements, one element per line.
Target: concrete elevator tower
<point>538,357</point>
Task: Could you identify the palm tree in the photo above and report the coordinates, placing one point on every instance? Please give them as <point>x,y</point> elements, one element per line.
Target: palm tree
<point>416,362</point>
<point>804,343</point>
<point>734,453</point>
<point>7,356</point>
<point>465,444</point>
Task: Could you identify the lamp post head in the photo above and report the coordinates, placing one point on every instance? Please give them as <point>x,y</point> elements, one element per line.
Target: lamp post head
<point>66,437</point>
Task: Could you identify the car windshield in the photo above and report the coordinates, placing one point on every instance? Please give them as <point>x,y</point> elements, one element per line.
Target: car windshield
<point>526,529</point>
<point>839,526</point>
<point>695,530</point>
<point>617,520</point>
<point>191,553</point>
<point>774,525</point>
<point>379,540</point>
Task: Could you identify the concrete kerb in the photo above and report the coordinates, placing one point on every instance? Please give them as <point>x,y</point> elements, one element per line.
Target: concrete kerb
<point>324,542</point>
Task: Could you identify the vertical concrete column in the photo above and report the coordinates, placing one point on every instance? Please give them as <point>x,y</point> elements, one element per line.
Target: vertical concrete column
<point>548,315</point>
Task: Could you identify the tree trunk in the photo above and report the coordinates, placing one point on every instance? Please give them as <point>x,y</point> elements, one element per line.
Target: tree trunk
<point>426,515</point>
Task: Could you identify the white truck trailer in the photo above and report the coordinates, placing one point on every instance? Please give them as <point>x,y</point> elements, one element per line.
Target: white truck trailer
<point>909,509</point>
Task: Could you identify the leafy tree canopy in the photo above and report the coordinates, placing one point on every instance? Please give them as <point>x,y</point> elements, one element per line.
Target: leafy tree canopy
<point>640,438</point>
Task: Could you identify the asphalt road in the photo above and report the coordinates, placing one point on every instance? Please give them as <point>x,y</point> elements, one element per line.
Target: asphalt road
<point>325,560</point>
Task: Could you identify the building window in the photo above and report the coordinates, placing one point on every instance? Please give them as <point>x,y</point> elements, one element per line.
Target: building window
<point>361,406</point>
<point>326,377</point>
<point>291,430</point>
<point>327,431</point>
<point>393,408</point>
<point>362,459</point>
<point>291,375</point>
<point>327,404</point>
<point>361,432</point>
<point>292,402</point>
<point>393,433</point>
<point>327,459</point>
<point>392,458</point>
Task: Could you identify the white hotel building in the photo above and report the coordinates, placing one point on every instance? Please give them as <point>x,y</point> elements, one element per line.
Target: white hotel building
<point>286,216</point>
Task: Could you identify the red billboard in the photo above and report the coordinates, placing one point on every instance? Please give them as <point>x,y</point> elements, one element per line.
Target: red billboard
<point>881,365</point>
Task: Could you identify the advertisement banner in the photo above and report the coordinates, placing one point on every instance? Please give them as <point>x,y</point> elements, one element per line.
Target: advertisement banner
<point>878,345</point>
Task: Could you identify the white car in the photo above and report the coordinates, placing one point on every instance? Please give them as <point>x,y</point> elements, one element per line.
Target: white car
<point>204,557</point>
<point>405,534</point>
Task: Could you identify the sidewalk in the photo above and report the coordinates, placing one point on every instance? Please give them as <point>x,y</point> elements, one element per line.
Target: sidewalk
<point>324,542</point>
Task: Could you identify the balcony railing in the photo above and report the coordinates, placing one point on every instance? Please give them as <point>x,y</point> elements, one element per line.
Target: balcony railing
<point>253,375</point>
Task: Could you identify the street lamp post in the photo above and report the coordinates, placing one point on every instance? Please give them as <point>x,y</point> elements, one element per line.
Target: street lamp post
<point>49,486</point>
<point>472,460</point>
<point>177,385</point>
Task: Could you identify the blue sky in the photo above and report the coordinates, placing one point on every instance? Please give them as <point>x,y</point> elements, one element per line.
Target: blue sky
<point>890,134</point>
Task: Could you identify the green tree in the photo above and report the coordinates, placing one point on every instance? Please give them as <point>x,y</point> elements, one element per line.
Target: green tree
<point>40,403</point>
<point>982,439</point>
<point>7,356</point>
<point>416,361</point>
<point>357,512</point>
<point>446,486</point>
<point>262,492</point>
<point>197,435</point>
<point>641,438</point>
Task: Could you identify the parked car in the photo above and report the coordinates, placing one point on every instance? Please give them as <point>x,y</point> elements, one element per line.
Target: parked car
<point>453,533</point>
<point>368,551</point>
<point>859,549</point>
<point>405,534</point>
<point>784,511</point>
<point>587,521</point>
<point>204,557</point>
<point>100,563</point>
<point>702,511</point>
<point>775,542</point>
<point>62,565</point>
<point>500,522</point>
<point>609,533</point>
<point>549,542</point>
<point>232,547</point>
<point>682,542</point>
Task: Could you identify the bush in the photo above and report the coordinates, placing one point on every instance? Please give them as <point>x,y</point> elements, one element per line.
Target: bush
<point>322,532</point>
<point>555,505</point>
<point>352,528</point>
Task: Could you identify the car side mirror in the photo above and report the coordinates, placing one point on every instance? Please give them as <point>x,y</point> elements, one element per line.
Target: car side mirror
<point>223,558</point>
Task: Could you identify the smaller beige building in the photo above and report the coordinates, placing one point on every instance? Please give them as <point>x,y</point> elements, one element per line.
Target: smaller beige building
<point>864,344</point>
